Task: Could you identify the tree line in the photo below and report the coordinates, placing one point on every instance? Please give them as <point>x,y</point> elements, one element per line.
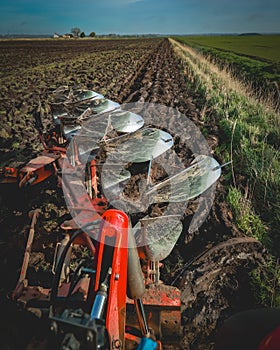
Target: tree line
<point>77,33</point>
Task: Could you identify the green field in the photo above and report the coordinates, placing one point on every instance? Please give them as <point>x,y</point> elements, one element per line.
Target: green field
<point>263,47</point>
<point>253,58</point>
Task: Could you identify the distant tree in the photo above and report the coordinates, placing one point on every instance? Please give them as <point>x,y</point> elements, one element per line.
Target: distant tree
<point>82,35</point>
<point>92,34</point>
<point>76,31</point>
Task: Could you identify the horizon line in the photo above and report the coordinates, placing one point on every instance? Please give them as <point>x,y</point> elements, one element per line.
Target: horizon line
<point>139,34</point>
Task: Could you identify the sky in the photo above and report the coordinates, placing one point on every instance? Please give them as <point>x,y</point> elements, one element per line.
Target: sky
<point>139,16</point>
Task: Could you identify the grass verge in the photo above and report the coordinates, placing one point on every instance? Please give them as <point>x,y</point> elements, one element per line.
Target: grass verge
<point>254,59</point>
<point>249,136</point>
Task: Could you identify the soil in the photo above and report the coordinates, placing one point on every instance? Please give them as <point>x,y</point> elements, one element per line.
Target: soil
<point>211,266</point>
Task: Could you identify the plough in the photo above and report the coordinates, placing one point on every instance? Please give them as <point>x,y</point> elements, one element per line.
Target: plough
<point>106,291</point>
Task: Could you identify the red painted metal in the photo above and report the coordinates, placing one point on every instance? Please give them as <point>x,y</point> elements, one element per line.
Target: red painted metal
<point>8,175</point>
<point>39,168</point>
<point>114,232</point>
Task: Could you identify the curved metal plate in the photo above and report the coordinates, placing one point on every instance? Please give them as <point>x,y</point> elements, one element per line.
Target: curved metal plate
<point>138,147</point>
<point>189,183</point>
<point>68,95</point>
<point>68,114</point>
<point>103,106</point>
<point>159,235</point>
<point>125,121</point>
<point>115,176</point>
<point>120,121</point>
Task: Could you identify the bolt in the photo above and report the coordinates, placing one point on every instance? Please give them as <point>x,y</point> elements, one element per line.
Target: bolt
<point>117,344</point>
<point>117,277</point>
<point>89,337</point>
<point>53,327</point>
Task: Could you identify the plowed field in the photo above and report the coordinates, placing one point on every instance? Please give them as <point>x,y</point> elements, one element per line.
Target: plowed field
<point>211,267</point>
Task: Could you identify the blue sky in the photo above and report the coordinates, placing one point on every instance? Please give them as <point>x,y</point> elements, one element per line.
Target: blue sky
<point>139,16</point>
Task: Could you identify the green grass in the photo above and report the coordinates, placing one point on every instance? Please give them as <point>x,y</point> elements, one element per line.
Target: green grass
<point>254,59</point>
<point>247,221</point>
<point>262,47</point>
<point>265,283</point>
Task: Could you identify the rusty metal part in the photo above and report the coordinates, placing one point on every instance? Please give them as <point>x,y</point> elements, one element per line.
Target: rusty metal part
<point>163,312</point>
<point>38,297</point>
<point>34,215</point>
<point>27,293</point>
<point>58,252</point>
<point>142,317</point>
<point>81,287</point>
